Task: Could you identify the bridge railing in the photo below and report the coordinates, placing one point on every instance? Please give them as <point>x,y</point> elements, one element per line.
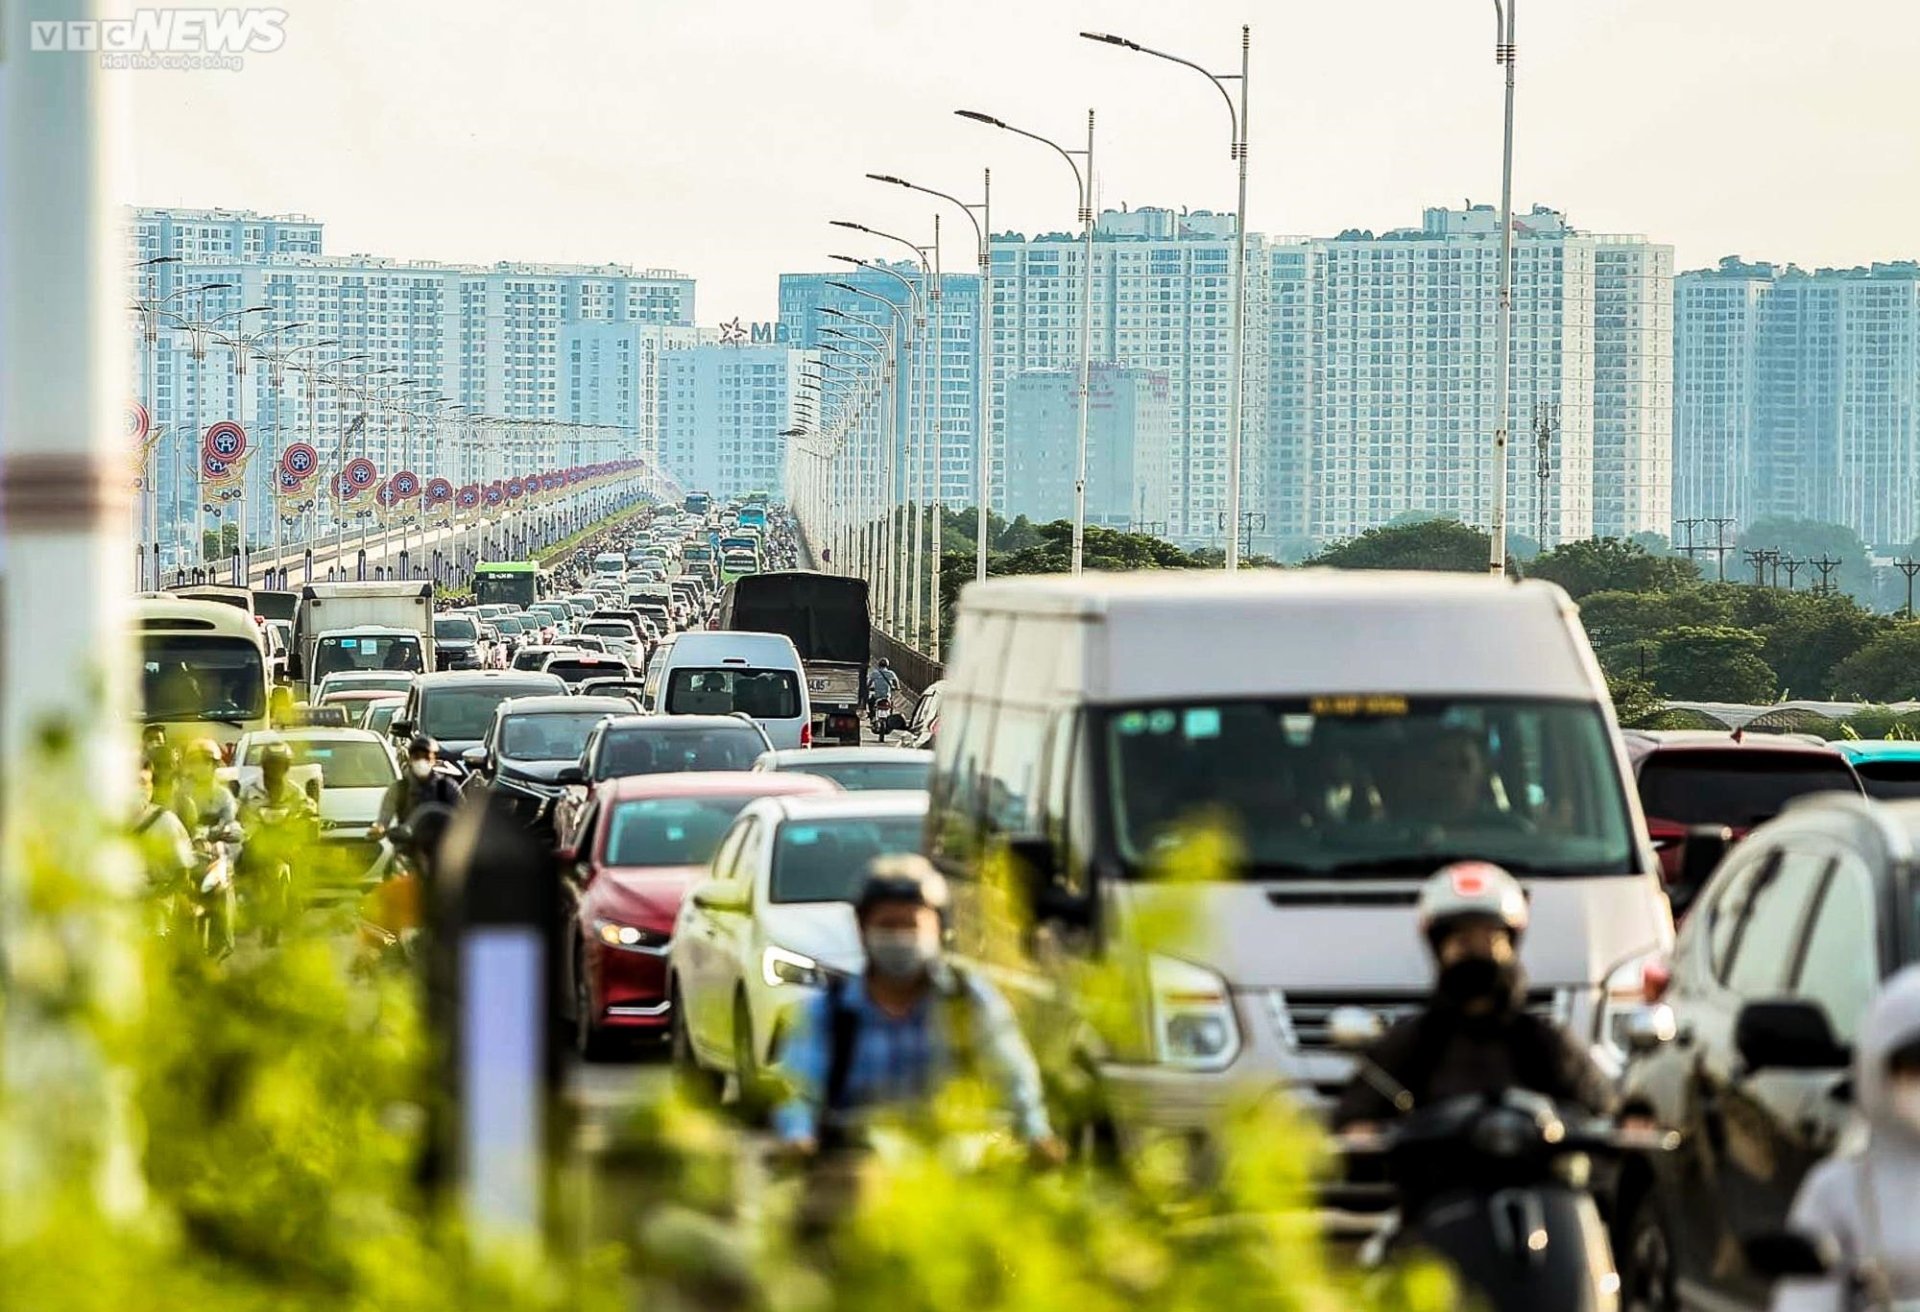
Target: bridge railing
<point>918,671</point>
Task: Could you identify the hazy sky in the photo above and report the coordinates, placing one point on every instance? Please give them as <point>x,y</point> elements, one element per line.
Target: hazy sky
<point>719,138</point>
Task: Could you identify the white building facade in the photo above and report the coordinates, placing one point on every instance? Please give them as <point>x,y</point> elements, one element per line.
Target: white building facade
<point>723,410</point>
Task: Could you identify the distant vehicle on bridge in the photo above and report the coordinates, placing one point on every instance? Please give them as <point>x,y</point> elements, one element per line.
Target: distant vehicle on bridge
<point>698,503</point>
<point>267,603</point>
<point>507,582</point>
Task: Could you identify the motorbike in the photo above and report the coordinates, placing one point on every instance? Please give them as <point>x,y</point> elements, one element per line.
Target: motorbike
<point>210,903</point>
<point>1497,1187</point>
<point>879,715</point>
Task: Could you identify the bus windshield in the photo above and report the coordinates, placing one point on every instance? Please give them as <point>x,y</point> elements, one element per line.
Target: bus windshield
<point>510,585</point>
<point>201,677</point>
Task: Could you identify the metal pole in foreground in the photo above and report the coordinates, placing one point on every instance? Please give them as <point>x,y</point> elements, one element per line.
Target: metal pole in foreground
<point>1086,360</point>
<point>63,634</point>
<point>1504,53</point>
<point>983,439</point>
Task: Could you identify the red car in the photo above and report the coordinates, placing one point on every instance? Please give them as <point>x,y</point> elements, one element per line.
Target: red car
<point>641,844</point>
<point>1738,780</point>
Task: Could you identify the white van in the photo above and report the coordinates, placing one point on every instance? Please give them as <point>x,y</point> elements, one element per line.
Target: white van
<point>1352,732</point>
<point>718,673</point>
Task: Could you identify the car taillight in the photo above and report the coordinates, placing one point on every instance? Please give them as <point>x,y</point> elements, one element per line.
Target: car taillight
<point>1655,977</point>
<point>806,735</point>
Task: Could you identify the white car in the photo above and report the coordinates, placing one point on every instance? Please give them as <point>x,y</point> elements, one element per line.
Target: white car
<point>856,769</point>
<point>773,918</point>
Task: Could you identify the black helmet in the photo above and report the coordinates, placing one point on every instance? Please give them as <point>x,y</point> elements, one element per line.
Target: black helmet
<point>423,745</point>
<point>885,664</point>
<point>904,877</point>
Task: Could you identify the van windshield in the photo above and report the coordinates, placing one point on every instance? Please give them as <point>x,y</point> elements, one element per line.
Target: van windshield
<point>1387,784</point>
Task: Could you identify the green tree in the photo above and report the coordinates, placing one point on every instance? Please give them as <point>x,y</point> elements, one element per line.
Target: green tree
<point>1431,544</point>
<point>1885,670</point>
<point>1634,700</point>
<point>1808,539</point>
<point>1712,664</point>
<point>1616,619</point>
<point>1611,565</point>
<point>1807,635</point>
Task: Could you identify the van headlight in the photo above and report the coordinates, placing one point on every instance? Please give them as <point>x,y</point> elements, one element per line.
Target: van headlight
<point>1623,998</point>
<point>779,966</point>
<point>1193,1020</point>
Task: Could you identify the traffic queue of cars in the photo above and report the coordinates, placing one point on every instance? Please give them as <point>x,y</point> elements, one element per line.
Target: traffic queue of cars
<point>1352,733</point>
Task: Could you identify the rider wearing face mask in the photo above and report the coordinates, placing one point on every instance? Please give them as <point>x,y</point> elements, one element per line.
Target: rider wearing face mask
<point>888,1037</point>
<point>1863,1200</point>
<point>420,784</point>
<point>1476,1035</point>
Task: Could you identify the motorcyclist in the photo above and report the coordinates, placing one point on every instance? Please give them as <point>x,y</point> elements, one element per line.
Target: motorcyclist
<point>213,803</point>
<point>1862,1199</point>
<point>1476,1035</point>
<point>421,784</point>
<point>881,683</point>
<point>165,850</point>
<point>277,817</point>
<point>888,1037</point>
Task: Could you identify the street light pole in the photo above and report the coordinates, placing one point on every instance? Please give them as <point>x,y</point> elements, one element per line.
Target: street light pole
<point>1239,348</point>
<point>1504,53</point>
<point>1083,190</point>
<point>983,412</point>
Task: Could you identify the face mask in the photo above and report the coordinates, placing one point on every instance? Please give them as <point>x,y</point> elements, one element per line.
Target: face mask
<point>900,953</point>
<point>420,769</point>
<point>1904,1098</point>
<point>1478,979</point>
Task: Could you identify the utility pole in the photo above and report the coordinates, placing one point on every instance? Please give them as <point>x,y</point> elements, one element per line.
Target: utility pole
<point>1720,544</point>
<point>1757,558</point>
<point>1908,566</point>
<point>1773,558</point>
<point>1793,565</point>
<point>1826,565</point>
<point>1546,426</point>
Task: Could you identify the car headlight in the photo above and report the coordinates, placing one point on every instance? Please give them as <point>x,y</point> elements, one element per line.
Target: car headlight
<point>1626,996</point>
<point>1193,1020</point>
<point>779,966</point>
<point>630,937</point>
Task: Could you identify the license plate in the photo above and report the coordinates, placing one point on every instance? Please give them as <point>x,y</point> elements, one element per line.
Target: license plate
<point>816,685</point>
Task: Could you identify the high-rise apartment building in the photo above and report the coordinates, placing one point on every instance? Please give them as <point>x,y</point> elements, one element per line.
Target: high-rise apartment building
<point>1129,424</point>
<point>1382,378</point>
<point>468,340</point>
<point>1798,394</point>
<point>806,298</point>
<point>723,408</point>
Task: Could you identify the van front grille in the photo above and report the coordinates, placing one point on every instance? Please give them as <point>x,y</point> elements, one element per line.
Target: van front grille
<point>1302,1017</point>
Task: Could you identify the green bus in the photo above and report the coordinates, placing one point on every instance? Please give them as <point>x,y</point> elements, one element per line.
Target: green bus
<point>506,582</point>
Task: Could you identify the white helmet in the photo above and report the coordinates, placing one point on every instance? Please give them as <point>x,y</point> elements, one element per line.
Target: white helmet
<point>1471,890</point>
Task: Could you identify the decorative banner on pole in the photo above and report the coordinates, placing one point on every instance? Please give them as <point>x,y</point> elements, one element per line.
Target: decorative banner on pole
<point>467,500</point>
<point>404,486</point>
<point>439,492</point>
<point>495,494</point>
<point>139,424</point>
<point>227,440</point>
<point>514,489</point>
<point>359,475</point>
<point>300,460</point>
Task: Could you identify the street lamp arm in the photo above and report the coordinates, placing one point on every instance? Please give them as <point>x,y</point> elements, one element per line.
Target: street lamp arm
<point>979,236</point>
<point>1219,80</point>
<point>1079,178</point>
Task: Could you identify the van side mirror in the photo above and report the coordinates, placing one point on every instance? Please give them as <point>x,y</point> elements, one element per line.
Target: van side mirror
<point>1788,1034</point>
<point>401,728</point>
<point>1704,847</point>
<point>570,774</point>
<point>1035,867</point>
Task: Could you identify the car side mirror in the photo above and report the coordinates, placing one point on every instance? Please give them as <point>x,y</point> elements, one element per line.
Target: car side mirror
<point>1701,852</point>
<point>401,728</point>
<point>1354,1029</point>
<point>474,758</point>
<point>720,895</point>
<point>1788,1034</point>
<point>1650,1028</point>
<point>1789,1253</point>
